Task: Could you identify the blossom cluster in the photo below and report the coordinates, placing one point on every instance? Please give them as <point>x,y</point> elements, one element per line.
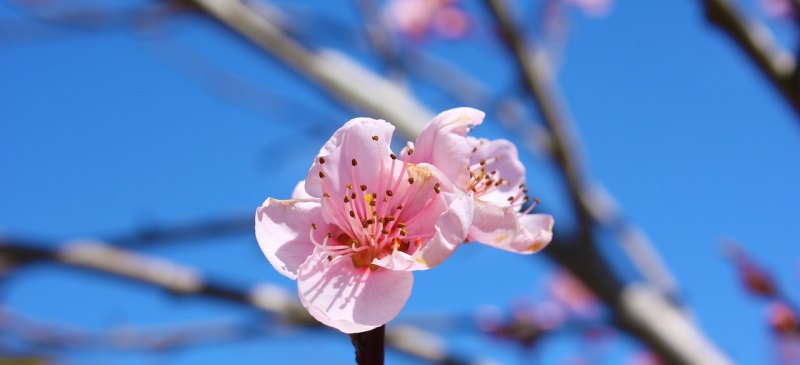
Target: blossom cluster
<point>365,218</point>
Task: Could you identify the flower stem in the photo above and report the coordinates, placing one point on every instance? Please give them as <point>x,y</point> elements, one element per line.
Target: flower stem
<point>369,346</point>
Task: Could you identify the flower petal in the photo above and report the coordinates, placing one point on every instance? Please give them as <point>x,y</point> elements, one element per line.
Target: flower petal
<point>492,224</point>
<point>443,143</point>
<point>282,231</point>
<point>536,232</point>
<point>299,191</point>
<point>349,299</point>
<point>352,140</point>
<point>451,230</point>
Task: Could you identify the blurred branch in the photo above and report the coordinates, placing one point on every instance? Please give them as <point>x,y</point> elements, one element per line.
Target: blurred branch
<point>550,106</point>
<point>380,38</point>
<point>345,79</point>
<point>205,229</point>
<point>44,23</point>
<point>129,338</point>
<point>104,259</point>
<point>756,41</point>
<point>639,309</point>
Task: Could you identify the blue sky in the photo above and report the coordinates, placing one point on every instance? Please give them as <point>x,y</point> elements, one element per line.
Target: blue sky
<point>108,131</point>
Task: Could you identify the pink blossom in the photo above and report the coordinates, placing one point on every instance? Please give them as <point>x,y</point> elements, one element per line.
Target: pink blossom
<point>490,170</point>
<point>416,18</point>
<point>594,8</point>
<point>776,8</point>
<point>362,221</point>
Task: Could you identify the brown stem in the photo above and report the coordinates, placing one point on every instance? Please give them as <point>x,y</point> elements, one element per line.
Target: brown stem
<point>369,346</point>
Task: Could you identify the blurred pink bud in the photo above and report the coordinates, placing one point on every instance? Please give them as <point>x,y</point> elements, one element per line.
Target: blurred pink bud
<point>489,318</point>
<point>570,292</point>
<point>450,22</point>
<point>594,8</point>
<point>756,280</point>
<point>776,8</point>
<point>416,19</point>
<point>782,318</point>
<point>644,358</point>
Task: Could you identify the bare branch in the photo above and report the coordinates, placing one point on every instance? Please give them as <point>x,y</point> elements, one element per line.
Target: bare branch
<point>347,80</point>
<point>550,107</point>
<point>104,259</point>
<point>756,41</point>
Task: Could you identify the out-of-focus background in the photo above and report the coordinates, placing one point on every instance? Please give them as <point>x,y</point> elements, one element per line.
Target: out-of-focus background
<point>157,127</point>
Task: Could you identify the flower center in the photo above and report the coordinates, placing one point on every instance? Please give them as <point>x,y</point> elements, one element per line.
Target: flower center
<point>484,179</point>
<point>373,225</point>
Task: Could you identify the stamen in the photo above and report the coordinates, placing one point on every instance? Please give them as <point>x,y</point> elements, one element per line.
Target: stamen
<point>533,205</point>
<point>363,187</point>
<point>393,156</point>
<point>354,162</point>
<point>321,175</point>
<point>374,138</point>
<point>321,160</point>
<point>436,188</point>
<point>411,180</point>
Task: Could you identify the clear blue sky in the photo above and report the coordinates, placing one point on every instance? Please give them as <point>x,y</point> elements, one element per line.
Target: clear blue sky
<point>104,132</point>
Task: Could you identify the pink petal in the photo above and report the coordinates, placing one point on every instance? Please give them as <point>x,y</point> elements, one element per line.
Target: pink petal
<point>502,158</point>
<point>443,144</point>
<point>351,141</point>
<point>492,224</point>
<point>282,231</point>
<point>299,191</point>
<point>351,300</point>
<point>536,232</point>
<point>451,230</point>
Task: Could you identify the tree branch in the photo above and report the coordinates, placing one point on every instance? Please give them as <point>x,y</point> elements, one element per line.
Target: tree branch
<point>99,257</point>
<point>551,109</point>
<point>756,41</point>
